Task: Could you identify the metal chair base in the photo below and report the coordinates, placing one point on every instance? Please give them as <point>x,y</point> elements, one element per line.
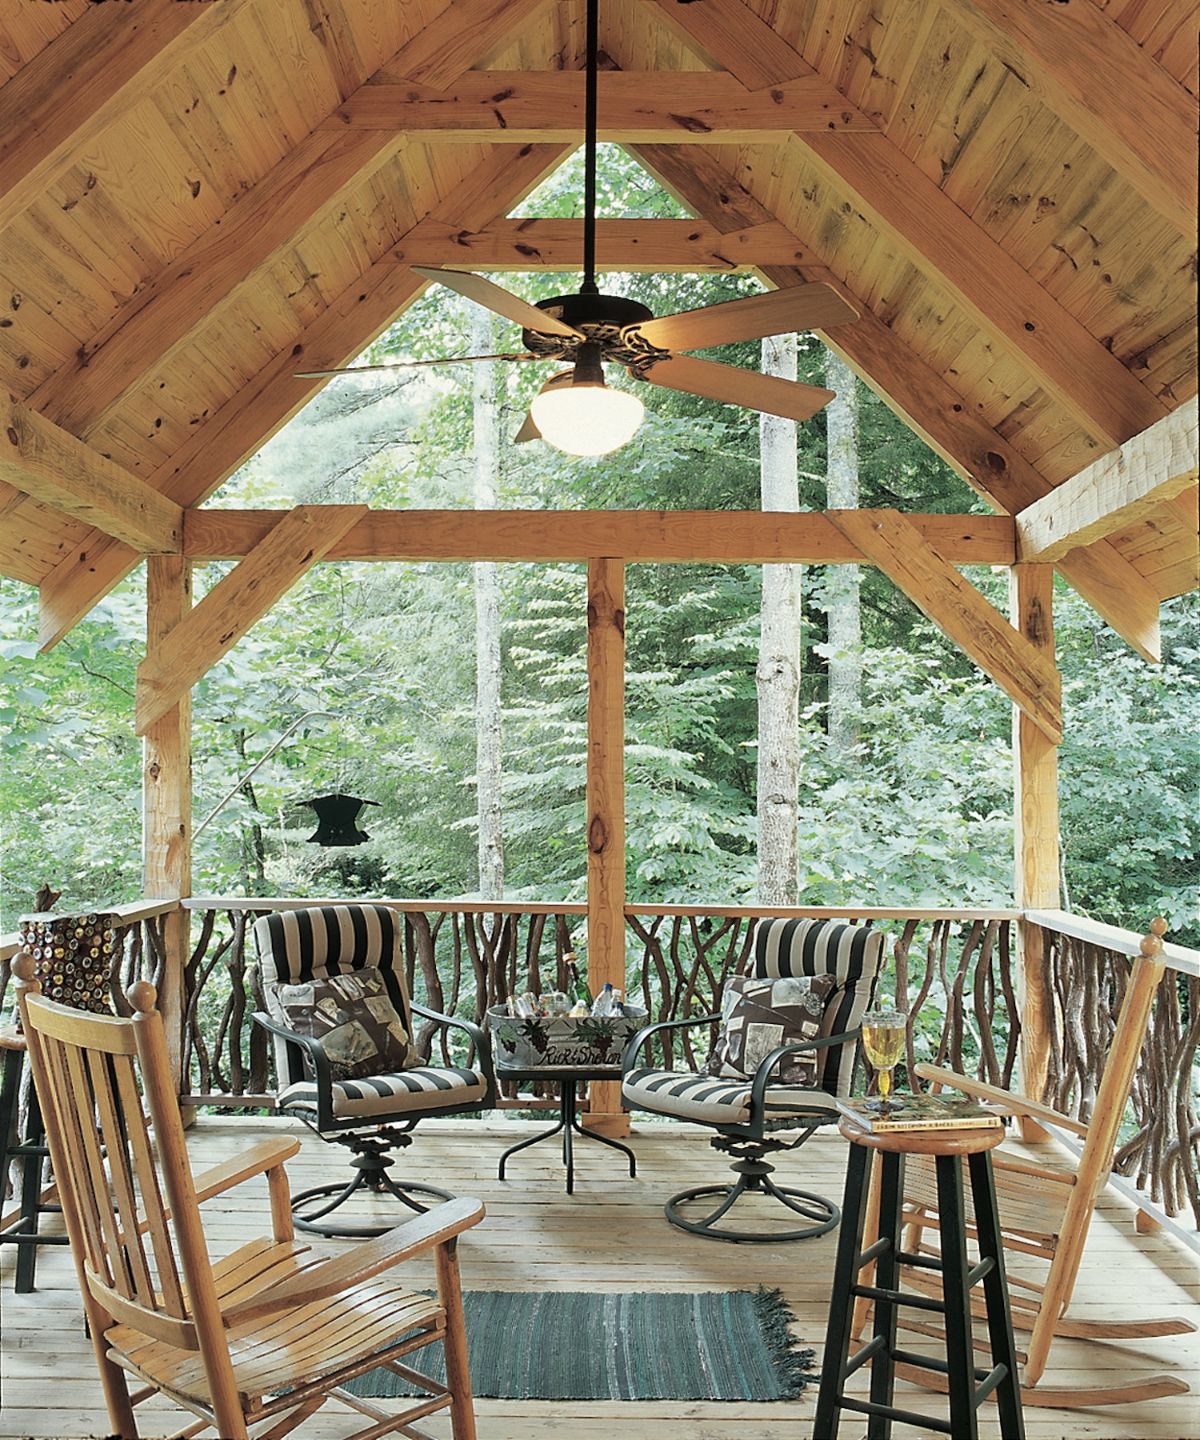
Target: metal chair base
<point>754,1178</point>
<point>371,1165</point>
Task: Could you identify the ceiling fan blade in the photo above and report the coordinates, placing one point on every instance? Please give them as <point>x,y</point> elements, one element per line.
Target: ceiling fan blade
<point>413,364</point>
<point>492,297</point>
<point>776,312</point>
<point>734,386</point>
<point>528,430</point>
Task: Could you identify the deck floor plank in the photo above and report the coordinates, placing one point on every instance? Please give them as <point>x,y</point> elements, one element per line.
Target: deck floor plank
<point>609,1236</point>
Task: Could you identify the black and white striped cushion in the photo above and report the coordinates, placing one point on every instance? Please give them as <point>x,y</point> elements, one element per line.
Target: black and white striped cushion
<point>715,1102</point>
<point>322,940</point>
<point>424,1088</point>
<point>852,954</point>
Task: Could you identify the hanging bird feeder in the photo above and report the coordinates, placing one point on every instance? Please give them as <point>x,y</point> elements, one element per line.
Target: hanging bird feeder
<point>337,819</point>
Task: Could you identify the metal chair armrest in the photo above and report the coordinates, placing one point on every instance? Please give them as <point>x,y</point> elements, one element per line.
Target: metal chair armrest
<point>480,1043</point>
<point>762,1076</point>
<point>630,1051</point>
<point>316,1065</point>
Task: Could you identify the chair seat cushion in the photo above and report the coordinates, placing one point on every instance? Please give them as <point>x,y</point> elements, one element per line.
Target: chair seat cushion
<point>423,1088</point>
<point>716,1102</point>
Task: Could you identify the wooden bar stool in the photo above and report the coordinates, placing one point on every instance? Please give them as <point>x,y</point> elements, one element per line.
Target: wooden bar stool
<point>968,1386</point>
<point>29,1143</point>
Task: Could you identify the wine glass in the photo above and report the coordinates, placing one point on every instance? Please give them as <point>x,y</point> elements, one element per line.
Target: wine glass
<point>883,1033</point>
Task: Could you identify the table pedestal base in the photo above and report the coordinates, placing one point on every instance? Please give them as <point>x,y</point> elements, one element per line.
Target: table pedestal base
<point>568,1127</point>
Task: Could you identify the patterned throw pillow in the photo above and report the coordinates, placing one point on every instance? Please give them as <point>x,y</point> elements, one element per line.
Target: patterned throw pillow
<point>760,1015</point>
<point>353,1017</point>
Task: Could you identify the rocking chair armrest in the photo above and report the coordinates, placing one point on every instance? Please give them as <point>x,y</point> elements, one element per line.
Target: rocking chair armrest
<point>313,1052</point>
<point>340,1273</point>
<point>762,1076</point>
<point>630,1051</point>
<point>1015,1104</point>
<point>254,1160</point>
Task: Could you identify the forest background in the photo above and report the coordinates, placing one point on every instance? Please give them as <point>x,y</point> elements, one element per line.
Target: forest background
<point>900,748</point>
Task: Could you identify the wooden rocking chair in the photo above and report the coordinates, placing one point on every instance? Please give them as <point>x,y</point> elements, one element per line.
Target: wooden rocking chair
<point>1046,1210</point>
<point>271,1332</point>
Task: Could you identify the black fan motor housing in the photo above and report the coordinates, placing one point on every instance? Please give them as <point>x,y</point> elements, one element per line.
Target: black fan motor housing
<point>601,317</point>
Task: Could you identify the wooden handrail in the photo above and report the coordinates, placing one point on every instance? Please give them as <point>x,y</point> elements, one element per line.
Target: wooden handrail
<point>1112,937</point>
<point>130,914</point>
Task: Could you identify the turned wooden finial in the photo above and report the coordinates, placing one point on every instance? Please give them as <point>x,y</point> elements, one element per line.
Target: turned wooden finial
<point>25,969</point>
<point>142,996</point>
<point>1152,944</point>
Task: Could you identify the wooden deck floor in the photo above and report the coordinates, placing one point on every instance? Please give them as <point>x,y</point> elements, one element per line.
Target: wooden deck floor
<point>611,1236</point>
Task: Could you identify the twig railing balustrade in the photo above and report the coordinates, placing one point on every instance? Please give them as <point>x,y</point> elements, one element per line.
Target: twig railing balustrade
<point>1086,969</point>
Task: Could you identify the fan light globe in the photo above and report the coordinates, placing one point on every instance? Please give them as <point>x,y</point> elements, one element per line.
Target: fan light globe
<point>585,417</point>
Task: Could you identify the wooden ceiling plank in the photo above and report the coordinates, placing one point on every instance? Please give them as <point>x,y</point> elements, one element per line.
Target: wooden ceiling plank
<point>56,469</point>
<point>1091,383</point>
<point>732,537</point>
<point>1088,69</point>
<point>217,446</point>
<point>210,630</point>
<point>1113,492</point>
<point>926,402</point>
<point>1026,674</point>
<point>161,318</point>
<point>687,246</point>
<point>87,78</point>
<point>521,107</point>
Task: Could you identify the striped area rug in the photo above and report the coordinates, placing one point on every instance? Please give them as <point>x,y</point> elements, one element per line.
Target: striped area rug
<point>731,1345</point>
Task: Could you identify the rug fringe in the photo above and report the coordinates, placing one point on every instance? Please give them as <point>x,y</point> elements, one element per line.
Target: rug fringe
<point>793,1363</point>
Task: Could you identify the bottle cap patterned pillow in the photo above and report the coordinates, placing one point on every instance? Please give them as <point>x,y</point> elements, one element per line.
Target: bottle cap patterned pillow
<point>760,1015</point>
<point>354,1019</point>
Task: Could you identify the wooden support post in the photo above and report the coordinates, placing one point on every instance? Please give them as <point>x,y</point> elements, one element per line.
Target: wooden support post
<point>1035,818</point>
<point>606,803</point>
<point>167,796</point>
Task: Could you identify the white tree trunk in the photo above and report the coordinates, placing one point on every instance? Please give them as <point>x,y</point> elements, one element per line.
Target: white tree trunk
<point>842,581</point>
<point>487,620</point>
<point>778,673</point>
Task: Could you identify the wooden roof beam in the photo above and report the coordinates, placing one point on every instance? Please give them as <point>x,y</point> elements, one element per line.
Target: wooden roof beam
<point>162,317</point>
<point>51,466</point>
<point>922,398</point>
<point>942,241</point>
<point>1115,491</point>
<point>248,419</point>
<point>210,630</point>
<point>88,77</point>
<point>1028,675</point>
<point>731,537</point>
<point>1112,93</point>
<point>521,107</point>
<point>688,246</point>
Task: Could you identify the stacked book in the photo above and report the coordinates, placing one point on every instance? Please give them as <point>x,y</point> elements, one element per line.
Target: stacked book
<point>921,1112</point>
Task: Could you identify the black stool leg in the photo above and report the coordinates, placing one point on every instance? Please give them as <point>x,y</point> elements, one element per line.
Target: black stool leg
<point>995,1292</point>
<point>841,1307</point>
<point>956,1295</point>
<point>887,1277</point>
<point>32,1167</point>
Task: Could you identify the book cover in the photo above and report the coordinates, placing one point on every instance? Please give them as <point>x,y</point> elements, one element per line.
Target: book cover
<point>923,1112</point>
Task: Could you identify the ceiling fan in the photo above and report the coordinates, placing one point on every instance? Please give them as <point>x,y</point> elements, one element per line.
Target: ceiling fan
<point>575,410</point>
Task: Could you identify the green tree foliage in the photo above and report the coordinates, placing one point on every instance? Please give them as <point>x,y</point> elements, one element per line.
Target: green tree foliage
<point>383,654</point>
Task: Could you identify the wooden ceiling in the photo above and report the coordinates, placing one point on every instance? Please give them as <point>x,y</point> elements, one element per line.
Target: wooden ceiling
<point>198,199</point>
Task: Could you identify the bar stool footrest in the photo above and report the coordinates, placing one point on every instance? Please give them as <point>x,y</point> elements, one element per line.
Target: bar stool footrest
<point>905,1417</point>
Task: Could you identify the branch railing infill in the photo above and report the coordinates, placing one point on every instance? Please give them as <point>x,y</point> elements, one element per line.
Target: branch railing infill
<point>1086,970</point>
<point>462,957</point>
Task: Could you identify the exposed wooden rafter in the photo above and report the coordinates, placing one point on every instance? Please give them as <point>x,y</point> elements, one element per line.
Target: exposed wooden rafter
<point>1027,674</point>
<point>204,634</point>
<point>1107,88</point>
<point>54,467</point>
<point>215,448</point>
<point>1114,491</point>
<point>308,183</point>
<point>688,246</point>
<point>637,536</point>
<point>922,398</point>
<point>520,107</point>
<point>90,75</point>
<point>941,240</point>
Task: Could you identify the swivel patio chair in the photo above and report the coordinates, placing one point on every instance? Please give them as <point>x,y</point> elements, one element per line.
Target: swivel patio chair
<point>758,1116</point>
<point>362,1084</point>
<point>269,1333</point>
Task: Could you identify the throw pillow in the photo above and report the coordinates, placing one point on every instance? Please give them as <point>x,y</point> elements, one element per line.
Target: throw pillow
<point>760,1015</point>
<point>353,1017</point>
